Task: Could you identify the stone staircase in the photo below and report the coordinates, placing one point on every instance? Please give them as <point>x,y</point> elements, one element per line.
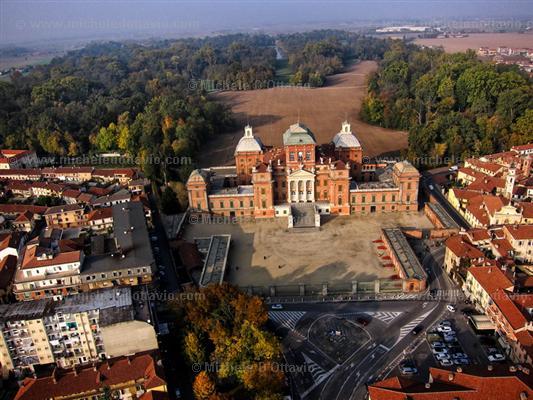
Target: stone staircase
<point>304,216</point>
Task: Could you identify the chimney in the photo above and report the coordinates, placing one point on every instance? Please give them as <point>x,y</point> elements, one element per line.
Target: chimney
<point>427,385</point>
<point>450,376</point>
<point>490,367</point>
<point>523,396</point>
<point>459,369</point>
<point>512,368</point>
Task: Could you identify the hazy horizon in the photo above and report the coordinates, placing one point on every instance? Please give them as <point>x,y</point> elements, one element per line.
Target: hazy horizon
<point>55,20</point>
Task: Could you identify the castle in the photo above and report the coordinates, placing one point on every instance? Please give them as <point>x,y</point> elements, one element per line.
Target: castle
<point>268,182</point>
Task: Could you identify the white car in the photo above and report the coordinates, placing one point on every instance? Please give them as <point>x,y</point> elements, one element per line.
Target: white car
<point>446,363</point>
<point>444,329</point>
<point>450,307</point>
<point>277,306</point>
<point>445,323</point>
<point>441,357</point>
<point>440,350</point>
<point>437,344</point>
<point>496,357</point>
<point>459,355</point>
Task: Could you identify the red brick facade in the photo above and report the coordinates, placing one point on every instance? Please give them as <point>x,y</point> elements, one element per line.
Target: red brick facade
<point>333,176</point>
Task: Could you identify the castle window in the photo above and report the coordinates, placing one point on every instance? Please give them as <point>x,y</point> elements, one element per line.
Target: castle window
<point>263,204</point>
<point>221,204</point>
<point>383,199</point>
<point>291,156</point>
<point>409,186</point>
<point>373,198</point>
<point>199,205</point>
<point>393,197</point>
<point>353,199</point>
<point>251,203</point>
<point>308,155</point>
<point>363,199</point>
<point>231,204</point>
<point>283,184</point>
<point>340,188</point>
<point>408,198</point>
<point>241,203</point>
<point>339,201</point>
<point>263,191</point>
<point>300,156</point>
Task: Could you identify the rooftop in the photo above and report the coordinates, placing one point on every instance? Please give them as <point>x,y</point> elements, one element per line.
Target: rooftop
<point>404,253</point>
<point>131,247</point>
<point>216,259</point>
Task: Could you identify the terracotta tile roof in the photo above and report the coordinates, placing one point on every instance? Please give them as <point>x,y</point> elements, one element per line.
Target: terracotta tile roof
<point>502,247</point>
<point>72,193</point>
<point>450,385</point>
<point>523,147</point>
<point>477,209</point>
<point>30,259</point>
<point>509,309</point>
<point>477,235</point>
<point>111,172</point>
<point>491,279</point>
<point>19,208</point>
<point>520,232</point>
<point>471,172</point>
<point>26,216</point>
<point>527,209</point>
<point>85,198</point>
<point>18,185</point>
<point>494,204</point>
<point>487,184</point>
<point>93,380</point>
<point>462,248</point>
<point>489,166</point>
<point>66,170</point>
<point>98,191</point>
<point>101,213</point>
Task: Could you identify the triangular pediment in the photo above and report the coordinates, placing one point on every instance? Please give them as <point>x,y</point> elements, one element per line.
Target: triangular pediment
<point>301,173</point>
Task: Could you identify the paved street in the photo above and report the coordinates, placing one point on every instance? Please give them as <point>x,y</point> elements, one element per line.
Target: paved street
<point>342,371</point>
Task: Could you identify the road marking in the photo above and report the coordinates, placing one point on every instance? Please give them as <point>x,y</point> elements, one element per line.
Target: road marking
<point>314,369</point>
<point>288,319</point>
<point>384,316</point>
<point>404,330</point>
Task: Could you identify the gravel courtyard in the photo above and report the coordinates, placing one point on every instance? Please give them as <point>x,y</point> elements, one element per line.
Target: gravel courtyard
<point>265,253</point>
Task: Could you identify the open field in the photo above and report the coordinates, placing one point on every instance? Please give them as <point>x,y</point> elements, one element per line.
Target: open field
<point>266,253</point>
<point>476,40</point>
<point>271,111</point>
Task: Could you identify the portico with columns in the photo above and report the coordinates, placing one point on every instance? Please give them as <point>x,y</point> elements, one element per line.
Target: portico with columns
<point>301,186</point>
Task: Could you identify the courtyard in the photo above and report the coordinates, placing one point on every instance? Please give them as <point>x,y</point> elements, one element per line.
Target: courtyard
<point>265,253</point>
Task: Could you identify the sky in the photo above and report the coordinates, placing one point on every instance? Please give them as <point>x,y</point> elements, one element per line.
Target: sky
<point>23,21</point>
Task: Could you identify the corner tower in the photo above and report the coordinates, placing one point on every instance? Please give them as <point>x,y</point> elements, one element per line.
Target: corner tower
<point>348,149</point>
<point>248,153</point>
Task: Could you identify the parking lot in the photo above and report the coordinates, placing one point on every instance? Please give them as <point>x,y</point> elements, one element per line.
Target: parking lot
<point>452,342</point>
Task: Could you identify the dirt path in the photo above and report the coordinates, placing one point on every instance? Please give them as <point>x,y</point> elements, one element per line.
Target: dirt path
<point>271,111</point>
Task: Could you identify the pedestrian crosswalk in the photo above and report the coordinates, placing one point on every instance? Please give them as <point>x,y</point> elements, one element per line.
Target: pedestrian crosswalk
<point>385,316</point>
<point>316,371</point>
<point>406,329</point>
<point>287,319</point>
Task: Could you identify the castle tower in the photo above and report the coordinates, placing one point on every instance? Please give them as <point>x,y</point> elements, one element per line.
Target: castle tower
<point>300,147</point>
<point>348,149</point>
<point>263,191</point>
<point>510,181</point>
<point>406,177</point>
<point>248,153</point>
<point>197,190</point>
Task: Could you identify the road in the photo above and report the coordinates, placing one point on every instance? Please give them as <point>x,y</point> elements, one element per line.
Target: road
<point>430,186</point>
<point>384,342</point>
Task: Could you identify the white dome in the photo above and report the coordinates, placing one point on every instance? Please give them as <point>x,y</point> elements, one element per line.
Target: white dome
<point>345,138</point>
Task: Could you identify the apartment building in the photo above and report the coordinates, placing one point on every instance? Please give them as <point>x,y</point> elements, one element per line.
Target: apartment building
<point>125,378</point>
<point>493,384</point>
<point>66,216</point>
<point>521,239</point>
<point>76,330</point>
<point>482,282</point>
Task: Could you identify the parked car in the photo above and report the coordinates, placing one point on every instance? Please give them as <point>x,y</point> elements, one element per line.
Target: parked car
<point>459,355</point>
<point>451,307</point>
<point>440,350</point>
<point>443,329</point>
<point>445,323</point>
<point>437,344</point>
<point>461,361</point>
<point>446,363</point>
<point>277,306</point>
<point>496,357</point>
<point>408,368</point>
<point>362,320</point>
<point>442,356</point>
<point>449,338</point>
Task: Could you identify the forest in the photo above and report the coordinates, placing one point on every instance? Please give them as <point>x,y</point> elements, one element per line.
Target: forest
<point>453,105</point>
<point>226,345</point>
<point>144,100</point>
